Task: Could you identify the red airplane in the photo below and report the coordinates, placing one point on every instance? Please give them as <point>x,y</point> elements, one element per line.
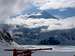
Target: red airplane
<point>25,52</point>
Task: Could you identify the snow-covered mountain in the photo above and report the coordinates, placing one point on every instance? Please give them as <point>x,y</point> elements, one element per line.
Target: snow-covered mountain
<point>34,36</point>
<point>44,14</point>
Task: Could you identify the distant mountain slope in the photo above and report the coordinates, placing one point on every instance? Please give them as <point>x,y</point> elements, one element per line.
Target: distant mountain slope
<point>34,36</point>
<point>44,15</point>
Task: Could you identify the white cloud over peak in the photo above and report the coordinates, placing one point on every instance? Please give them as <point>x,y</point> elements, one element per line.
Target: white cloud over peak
<point>52,24</point>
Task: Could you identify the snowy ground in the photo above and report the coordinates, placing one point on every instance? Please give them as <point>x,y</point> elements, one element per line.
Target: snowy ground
<point>39,53</point>
<point>58,51</point>
<point>2,52</point>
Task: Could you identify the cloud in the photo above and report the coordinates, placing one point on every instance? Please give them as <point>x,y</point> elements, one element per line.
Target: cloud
<point>39,2</point>
<point>55,4</point>
<point>17,20</point>
<point>6,8</point>
<point>52,24</point>
<point>21,4</point>
<point>11,8</point>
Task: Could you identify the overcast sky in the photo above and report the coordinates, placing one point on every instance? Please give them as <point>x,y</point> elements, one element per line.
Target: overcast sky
<point>12,7</point>
<point>9,7</point>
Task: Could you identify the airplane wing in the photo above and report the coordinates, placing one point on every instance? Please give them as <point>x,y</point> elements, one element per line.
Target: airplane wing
<point>48,48</point>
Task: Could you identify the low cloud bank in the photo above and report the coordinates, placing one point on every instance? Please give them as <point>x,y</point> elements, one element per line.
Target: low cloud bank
<point>51,23</point>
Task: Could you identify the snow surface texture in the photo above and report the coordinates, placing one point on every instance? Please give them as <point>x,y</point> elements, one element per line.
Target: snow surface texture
<point>37,53</point>
<point>2,52</point>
